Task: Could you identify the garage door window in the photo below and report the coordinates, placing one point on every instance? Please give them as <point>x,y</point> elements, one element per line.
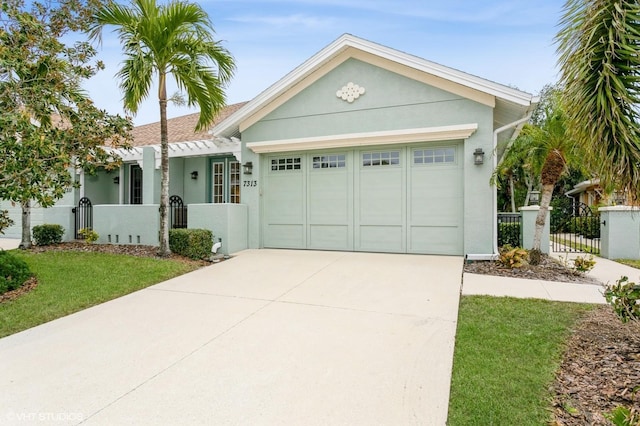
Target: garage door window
<point>434,156</point>
<point>289,163</point>
<point>386,158</point>
<point>330,161</point>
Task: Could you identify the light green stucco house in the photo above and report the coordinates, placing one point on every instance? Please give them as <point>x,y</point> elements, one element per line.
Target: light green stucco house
<point>360,148</point>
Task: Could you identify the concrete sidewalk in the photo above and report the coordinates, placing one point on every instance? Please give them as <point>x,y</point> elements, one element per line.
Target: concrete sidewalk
<point>9,243</point>
<point>606,271</point>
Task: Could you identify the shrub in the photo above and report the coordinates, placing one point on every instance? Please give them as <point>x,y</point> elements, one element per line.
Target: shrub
<point>13,272</point>
<point>509,234</point>
<point>623,296</point>
<point>47,234</point>
<point>513,257</point>
<point>89,235</point>
<point>191,243</point>
<point>583,264</point>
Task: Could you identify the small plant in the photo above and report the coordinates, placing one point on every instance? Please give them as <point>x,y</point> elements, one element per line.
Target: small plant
<point>623,416</point>
<point>513,257</point>
<point>48,234</point>
<point>624,296</point>
<point>191,243</point>
<point>89,235</point>
<point>579,265</point>
<point>13,272</point>
<point>535,257</point>
<point>583,264</point>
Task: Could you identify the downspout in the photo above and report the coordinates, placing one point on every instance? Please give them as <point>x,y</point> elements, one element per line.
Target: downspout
<point>472,257</point>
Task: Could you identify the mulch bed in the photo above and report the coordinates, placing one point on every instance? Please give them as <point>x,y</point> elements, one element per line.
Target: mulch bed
<point>549,269</point>
<point>29,285</point>
<point>599,370</point>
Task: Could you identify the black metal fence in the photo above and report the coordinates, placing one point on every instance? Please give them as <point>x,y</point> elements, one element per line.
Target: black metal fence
<point>177,212</point>
<point>575,227</point>
<point>510,229</point>
<point>83,216</point>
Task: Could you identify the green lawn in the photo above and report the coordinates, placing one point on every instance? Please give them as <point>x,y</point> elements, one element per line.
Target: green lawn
<point>72,281</point>
<point>629,262</point>
<point>506,353</point>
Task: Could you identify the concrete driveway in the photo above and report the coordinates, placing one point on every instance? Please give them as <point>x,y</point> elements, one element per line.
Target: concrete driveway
<point>268,337</point>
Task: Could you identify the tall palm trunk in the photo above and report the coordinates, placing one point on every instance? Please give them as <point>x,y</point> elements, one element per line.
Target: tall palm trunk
<point>552,169</point>
<point>164,163</point>
<point>512,194</point>
<point>541,218</point>
<point>26,225</point>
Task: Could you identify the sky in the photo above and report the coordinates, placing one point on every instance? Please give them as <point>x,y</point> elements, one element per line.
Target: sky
<point>506,41</point>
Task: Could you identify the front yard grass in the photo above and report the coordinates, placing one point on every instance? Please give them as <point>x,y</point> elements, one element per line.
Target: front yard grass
<point>71,281</point>
<point>629,262</point>
<point>506,353</point>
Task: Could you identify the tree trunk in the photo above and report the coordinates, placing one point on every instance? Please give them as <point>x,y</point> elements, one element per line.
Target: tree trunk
<point>512,194</point>
<point>545,201</point>
<point>26,225</point>
<point>164,164</point>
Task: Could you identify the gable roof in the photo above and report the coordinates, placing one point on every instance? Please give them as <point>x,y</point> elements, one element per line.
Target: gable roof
<point>510,104</point>
<point>181,129</point>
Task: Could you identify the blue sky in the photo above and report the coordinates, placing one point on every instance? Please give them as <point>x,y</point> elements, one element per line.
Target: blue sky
<point>506,41</point>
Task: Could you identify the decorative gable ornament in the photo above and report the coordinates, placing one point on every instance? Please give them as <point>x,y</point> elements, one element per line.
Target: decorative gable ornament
<point>350,92</point>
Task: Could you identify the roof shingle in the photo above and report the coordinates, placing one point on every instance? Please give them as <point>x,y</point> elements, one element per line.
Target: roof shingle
<point>181,129</point>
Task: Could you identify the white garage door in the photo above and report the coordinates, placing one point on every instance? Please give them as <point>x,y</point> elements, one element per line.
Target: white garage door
<point>405,199</point>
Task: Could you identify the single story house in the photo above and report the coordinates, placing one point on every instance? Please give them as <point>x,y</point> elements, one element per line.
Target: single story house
<point>360,148</point>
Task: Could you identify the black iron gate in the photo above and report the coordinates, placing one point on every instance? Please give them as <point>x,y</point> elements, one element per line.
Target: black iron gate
<point>84,216</point>
<point>575,227</point>
<point>177,212</point>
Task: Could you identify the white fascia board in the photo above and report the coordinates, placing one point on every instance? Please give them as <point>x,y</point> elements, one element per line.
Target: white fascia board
<point>390,137</point>
<point>348,40</point>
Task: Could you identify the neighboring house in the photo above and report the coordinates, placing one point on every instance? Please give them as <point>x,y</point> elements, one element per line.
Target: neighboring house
<point>587,192</point>
<point>590,193</point>
<point>362,147</point>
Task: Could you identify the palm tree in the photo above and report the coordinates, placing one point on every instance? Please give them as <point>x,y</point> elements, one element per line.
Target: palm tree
<point>545,149</point>
<point>161,40</point>
<point>599,50</point>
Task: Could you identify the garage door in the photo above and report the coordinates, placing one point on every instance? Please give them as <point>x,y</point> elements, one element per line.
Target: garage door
<point>405,199</point>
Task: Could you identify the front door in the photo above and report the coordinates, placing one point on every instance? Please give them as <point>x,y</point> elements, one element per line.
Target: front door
<point>225,181</point>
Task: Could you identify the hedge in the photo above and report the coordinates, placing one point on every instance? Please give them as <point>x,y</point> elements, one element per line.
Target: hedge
<point>191,243</point>
<point>47,234</point>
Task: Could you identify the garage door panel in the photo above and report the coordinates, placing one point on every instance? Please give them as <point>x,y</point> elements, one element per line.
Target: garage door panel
<point>381,197</point>
<point>329,198</point>
<point>284,236</point>
<point>330,237</point>
<point>435,239</point>
<point>381,238</point>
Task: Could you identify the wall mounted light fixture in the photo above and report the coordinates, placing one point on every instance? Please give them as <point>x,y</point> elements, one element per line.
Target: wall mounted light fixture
<point>194,175</point>
<point>247,168</point>
<point>478,156</point>
<point>534,198</point>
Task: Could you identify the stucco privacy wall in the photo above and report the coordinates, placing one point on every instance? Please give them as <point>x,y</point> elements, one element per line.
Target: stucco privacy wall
<point>391,102</point>
<point>58,214</point>
<point>228,222</point>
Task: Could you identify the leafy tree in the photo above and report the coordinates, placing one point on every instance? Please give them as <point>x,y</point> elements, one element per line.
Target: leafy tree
<point>599,50</point>
<point>48,125</point>
<point>161,40</point>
